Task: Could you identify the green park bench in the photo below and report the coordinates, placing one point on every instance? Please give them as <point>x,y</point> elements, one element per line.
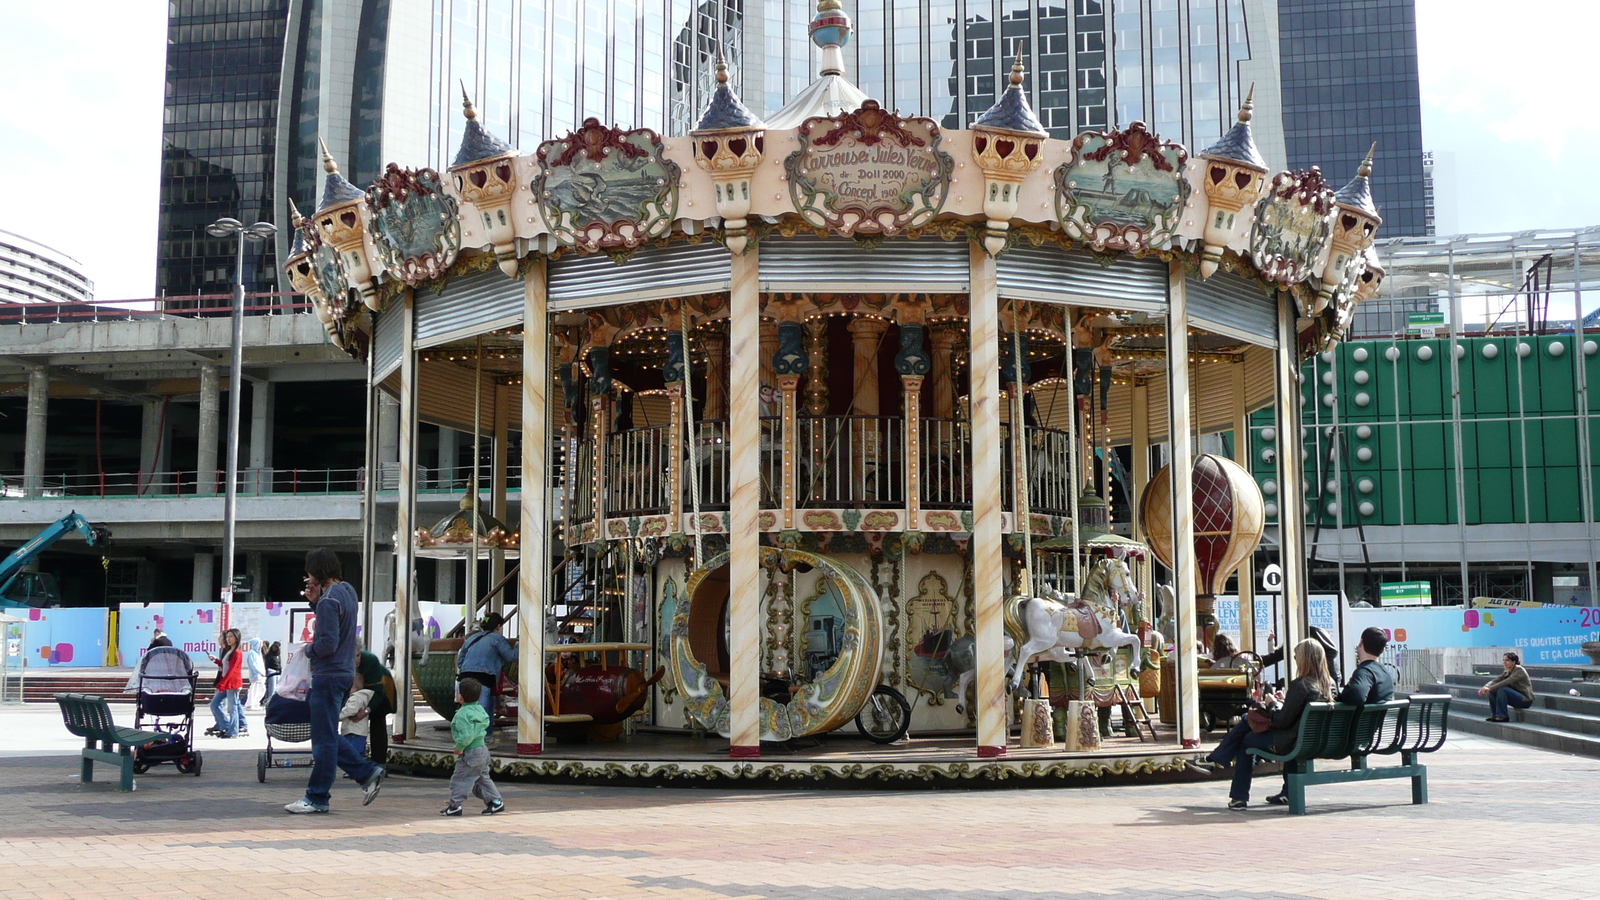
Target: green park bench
<point>89,717</point>
<point>1337,731</point>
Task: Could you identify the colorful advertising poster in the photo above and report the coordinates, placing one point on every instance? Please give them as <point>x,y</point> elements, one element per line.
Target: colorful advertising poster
<point>72,638</point>
<point>1551,635</point>
<point>136,627</point>
<point>193,628</point>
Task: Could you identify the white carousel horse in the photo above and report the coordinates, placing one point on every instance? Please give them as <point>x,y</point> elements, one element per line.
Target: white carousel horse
<point>1054,626</point>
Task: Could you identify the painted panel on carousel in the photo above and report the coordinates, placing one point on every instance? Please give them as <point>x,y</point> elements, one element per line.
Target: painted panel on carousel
<point>1292,228</point>
<point>1122,190</point>
<point>414,225</point>
<point>604,188</point>
<point>934,642</point>
<point>868,171</point>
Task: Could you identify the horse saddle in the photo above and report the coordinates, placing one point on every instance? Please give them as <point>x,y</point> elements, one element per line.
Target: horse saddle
<point>1088,624</point>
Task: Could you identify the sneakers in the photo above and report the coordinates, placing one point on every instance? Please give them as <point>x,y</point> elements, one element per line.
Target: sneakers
<point>451,810</point>
<point>370,788</point>
<point>1279,799</point>
<point>303,806</point>
<point>1202,766</point>
<point>490,809</point>
<point>1238,804</point>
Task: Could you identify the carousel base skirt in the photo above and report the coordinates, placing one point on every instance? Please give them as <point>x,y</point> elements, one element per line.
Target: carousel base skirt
<point>840,760</point>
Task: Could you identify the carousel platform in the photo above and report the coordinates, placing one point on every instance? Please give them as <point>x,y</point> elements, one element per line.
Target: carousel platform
<point>838,760</point>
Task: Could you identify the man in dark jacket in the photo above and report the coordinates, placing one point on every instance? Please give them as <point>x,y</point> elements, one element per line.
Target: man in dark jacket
<point>1371,681</point>
<point>332,653</point>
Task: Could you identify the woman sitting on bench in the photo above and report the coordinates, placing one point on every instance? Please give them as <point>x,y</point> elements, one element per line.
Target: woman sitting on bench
<point>1311,684</point>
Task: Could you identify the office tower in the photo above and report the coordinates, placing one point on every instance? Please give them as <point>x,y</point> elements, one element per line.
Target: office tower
<point>224,58</point>
<point>1349,72</point>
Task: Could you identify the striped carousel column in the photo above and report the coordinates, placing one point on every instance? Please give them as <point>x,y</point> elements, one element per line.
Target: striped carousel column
<point>532,576</point>
<point>744,507</point>
<point>988,566</point>
<point>1181,481</point>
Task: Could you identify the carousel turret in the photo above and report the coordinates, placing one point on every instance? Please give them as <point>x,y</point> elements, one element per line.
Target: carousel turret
<point>830,30</point>
<point>1355,226</point>
<point>728,144</point>
<point>487,179</point>
<point>341,221</point>
<point>300,267</point>
<point>1008,144</point>
<point>1234,175</point>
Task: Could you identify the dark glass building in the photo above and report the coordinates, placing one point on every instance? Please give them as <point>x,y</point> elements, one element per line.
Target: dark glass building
<point>224,59</point>
<point>1349,76</point>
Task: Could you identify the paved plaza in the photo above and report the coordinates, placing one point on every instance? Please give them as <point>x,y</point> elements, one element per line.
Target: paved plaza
<point>1505,822</point>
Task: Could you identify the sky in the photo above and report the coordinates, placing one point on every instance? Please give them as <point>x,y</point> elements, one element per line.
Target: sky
<point>1508,96</point>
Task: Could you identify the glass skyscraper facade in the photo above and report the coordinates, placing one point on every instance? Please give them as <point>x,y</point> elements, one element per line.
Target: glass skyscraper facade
<point>224,59</point>
<point>1349,75</point>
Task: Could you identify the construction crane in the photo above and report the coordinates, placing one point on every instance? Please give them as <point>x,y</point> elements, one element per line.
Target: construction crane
<point>38,589</point>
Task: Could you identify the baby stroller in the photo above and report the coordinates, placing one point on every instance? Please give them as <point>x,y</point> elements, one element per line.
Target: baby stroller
<point>289,722</point>
<point>165,704</point>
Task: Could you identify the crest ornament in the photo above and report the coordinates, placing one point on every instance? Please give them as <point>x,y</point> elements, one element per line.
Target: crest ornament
<point>603,188</point>
<point>1293,224</point>
<point>869,171</point>
<point>414,225</point>
<point>1122,190</point>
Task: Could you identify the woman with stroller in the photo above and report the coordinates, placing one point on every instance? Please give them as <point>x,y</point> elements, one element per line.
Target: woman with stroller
<point>1312,684</point>
<point>225,702</point>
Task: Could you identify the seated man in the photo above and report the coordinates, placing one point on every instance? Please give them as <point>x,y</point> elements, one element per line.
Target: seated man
<point>1371,681</point>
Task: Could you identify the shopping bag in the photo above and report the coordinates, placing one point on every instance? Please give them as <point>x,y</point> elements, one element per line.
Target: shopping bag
<point>295,682</point>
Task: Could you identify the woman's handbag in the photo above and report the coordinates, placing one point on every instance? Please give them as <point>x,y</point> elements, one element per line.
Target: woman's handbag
<point>1260,720</point>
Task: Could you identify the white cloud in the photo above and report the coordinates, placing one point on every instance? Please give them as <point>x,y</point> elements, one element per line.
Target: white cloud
<point>80,134</point>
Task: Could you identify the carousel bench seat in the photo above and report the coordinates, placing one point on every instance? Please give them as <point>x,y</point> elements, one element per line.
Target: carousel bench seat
<point>1342,731</point>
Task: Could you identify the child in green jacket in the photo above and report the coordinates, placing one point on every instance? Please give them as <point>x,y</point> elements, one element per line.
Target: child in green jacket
<point>468,728</point>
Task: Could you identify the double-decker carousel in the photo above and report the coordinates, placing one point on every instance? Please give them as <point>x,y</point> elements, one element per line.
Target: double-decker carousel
<point>839,417</point>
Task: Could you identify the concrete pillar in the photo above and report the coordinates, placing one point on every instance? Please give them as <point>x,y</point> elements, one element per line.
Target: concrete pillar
<point>532,578</point>
<point>154,448</point>
<point>205,478</point>
<point>388,439</point>
<point>988,566</point>
<point>255,566</point>
<point>444,581</point>
<point>449,458</point>
<point>744,491</point>
<point>204,581</point>
<point>33,442</point>
<point>1185,576</point>
<point>262,403</point>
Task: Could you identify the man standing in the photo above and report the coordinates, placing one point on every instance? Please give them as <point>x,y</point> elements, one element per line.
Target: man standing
<point>332,654</point>
<point>1371,681</point>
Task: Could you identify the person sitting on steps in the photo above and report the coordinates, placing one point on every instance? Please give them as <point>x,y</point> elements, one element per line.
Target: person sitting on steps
<point>1513,688</point>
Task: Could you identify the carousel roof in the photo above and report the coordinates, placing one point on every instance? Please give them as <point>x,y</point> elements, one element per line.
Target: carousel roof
<point>336,189</point>
<point>1012,112</point>
<point>298,245</point>
<point>1358,193</point>
<point>1239,145</point>
<point>832,93</point>
<point>726,110</point>
<point>476,142</point>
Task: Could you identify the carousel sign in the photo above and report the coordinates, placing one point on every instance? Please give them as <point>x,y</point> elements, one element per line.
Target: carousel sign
<point>604,188</point>
<point>869,171</point>
<point>414,224</point>
<point>1293,225</point>
<point>1122,190</point>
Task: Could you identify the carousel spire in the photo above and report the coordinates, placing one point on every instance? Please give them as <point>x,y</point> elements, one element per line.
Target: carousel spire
<point>1239,145</point>
<point>335,190</point>
<point>726,110</point>
<point>1012,112</point>
<point>1354,230</point>
<point>1007,144</point>
<point>832,93</point>
<point>728,144</point>
<point>1357,194</point>
<point>477,144</point>
<point>298,245</point>
<point>1235,174</point>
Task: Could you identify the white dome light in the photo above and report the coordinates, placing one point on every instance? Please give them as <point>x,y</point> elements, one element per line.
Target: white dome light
<point>1332,507</point>
<point>1363,398</point>
<point>1589,348</point>
<point>1392,354</point>
<point>1523,350</point>
<point>1328,399</point>
<point>1490,351</point>
<point>1364,454</point>
<point>1271,510</point>
<point>1367,508</point>
<point>1425,353</point>
<point>1359,354</point>
<point>1269,434</point>
<point>1556,348</point>
<point>1269,487</point>
<point>1364,485</point>
<point>1362,376</point>
<point>1327,378</point>
<point>1363,431</point>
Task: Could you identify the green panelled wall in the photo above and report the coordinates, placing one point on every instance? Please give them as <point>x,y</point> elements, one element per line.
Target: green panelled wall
<point>1391,401</point>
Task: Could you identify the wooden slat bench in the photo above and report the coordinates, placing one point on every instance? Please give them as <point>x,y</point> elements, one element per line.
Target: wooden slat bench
<point>89,717</point>
<point>1339,731</point>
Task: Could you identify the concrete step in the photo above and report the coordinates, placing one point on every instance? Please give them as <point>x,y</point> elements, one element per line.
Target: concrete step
<point>1540,685</point>
<point>1542,727</point>
<point>43,688</point>
<point>1562,702</point>
<point>1575,723</point>
<point>1565,673</point>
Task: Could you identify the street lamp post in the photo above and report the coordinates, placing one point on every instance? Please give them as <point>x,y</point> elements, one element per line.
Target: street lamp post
<point>260,231</point>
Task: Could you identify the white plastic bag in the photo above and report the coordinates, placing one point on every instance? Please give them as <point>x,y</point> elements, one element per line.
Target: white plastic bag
<point>295,682</point>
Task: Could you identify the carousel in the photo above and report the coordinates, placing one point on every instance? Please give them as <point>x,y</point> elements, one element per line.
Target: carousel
<point>840,423</point>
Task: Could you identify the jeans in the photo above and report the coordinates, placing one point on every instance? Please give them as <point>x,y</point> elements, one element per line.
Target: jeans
<point>486,698</point>
<point>328,751</point>
<point>225,709</point>
<point>1232,750</point>
<point>1502,697</point>
<point>272,687</point>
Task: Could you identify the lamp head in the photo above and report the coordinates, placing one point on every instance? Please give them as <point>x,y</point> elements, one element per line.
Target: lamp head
<point>224,227</point>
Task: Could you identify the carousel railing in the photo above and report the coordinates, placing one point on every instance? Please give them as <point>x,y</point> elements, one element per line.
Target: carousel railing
<point>709,456</point>
<point>1049,471</point>
<point>844,461</point>
<point>771,462</point>
<point>946,450</point>
<point>581,482</point>
<point>638,477</point>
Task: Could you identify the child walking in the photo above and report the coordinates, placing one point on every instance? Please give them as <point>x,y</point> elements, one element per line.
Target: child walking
<point>468,728</point>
